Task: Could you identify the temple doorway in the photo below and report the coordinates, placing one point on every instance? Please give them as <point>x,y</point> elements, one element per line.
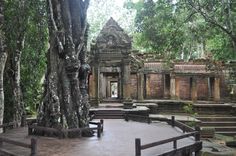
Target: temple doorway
<point>109,86</point>
<point>114,89</point>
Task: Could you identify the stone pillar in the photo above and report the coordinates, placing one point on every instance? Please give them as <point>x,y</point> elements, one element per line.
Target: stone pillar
<point>94,99</point>
<point>166,80</point>
<point>194,89</point>
<point>217,89</point>
<point>120,94</point>
<point>126,80</point>
<point>177,89</point>
<point>172,87</point>
<point>209,88</point>
<point>140,85</point>
<point>92,85</point>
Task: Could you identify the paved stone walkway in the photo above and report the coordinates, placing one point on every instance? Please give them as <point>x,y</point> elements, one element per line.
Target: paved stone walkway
<point>117,140</point>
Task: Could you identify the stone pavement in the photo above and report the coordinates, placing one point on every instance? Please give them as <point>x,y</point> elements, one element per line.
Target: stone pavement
<point>117,140</point>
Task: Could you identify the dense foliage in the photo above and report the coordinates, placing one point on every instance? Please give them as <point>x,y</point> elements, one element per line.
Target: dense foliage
<point>26,22</point>
<point>186,29</point>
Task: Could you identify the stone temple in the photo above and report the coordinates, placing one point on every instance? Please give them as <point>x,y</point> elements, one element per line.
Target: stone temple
<point>119,73</point>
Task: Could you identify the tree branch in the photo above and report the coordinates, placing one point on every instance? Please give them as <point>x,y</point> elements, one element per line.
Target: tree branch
<point>60,45</point>
<point>208,18</point>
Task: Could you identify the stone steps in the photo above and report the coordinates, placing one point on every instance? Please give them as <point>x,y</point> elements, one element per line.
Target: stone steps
<point>217,118</point>
<point>225,125</point>
<point>229,133</point>
<point>109,114</point>
<point>212,109</point>
<point>217,123</point>
<point>222,128</point>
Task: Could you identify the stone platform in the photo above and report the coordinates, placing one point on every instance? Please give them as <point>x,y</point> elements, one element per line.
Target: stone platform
<point>117,140</point>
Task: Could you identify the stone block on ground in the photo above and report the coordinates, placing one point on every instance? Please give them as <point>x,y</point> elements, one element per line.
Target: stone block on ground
<point>213,149</point>
<point>208,132</point>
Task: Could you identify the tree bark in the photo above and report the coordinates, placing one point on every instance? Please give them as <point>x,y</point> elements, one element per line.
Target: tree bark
<point>3,58</point>
<point>19,111</point>
<point>62,105</point>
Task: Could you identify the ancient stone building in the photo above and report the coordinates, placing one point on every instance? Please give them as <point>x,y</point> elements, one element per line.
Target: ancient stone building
<point>118,73</point>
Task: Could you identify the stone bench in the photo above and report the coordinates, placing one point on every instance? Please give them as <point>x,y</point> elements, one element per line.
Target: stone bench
<point>152,106</point>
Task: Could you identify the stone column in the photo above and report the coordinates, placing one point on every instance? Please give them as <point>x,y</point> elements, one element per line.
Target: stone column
<point>217,89</point>
<point>177,89</point>
<point>94,99</point>
<point>166,88</point>
<point>120,94</point>
<point>126,80</point>
<point>172,87</point>
<point>140,85</point>
<point>194,89</point>
<point>92,85</point>
<point>209,88</point>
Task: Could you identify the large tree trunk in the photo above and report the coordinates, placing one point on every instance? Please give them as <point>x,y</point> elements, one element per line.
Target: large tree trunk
<point>19,110</point>
<point>15,47</point>
<point>3,58</point>
<point>62,102</point>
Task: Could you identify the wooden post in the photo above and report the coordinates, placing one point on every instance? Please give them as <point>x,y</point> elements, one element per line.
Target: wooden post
<point>33,147</point>
<point>197,135</point>
<point>102,124</point>
<point>126,117</point>
<point>149,120</point>
<point>175,144</point>
<point>197,138</point>
<point>29,130</point>
<point>173,121</point>
<point>137,147</point>
<point>1,142</point>
<point>99,130</point>
<point>184,129</point>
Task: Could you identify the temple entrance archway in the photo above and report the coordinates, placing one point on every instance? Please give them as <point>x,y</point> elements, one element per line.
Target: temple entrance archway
<point>109,86</point>
<point>114,89</point>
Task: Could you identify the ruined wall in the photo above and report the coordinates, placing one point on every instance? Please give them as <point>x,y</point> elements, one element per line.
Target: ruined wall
<point>225,89</point>
<point>202,88</point>
<point>154,86</point>
<point>183,88</point>
<point>133,86</point>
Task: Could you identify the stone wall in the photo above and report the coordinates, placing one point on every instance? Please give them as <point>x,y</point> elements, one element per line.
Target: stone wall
<point>133,86</point>
<point>183,90</point>
<point>202,88</point>
<point>225,89</point>
<point>154,86</point>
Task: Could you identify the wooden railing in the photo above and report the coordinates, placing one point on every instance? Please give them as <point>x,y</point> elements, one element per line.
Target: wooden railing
<point>183,151</point>
<point>62,133</point>
<point>137,118</point>
<point>32,146</point>
<point>8,125</point>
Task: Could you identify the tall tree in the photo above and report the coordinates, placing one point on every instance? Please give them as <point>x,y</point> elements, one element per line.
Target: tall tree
<point>33,60</point>
<point>3,58</point>
<point>62,101</point>
<point>26,61</point>
<point>17,18</point>
<point>218,13</point>
<point>186,29</point>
